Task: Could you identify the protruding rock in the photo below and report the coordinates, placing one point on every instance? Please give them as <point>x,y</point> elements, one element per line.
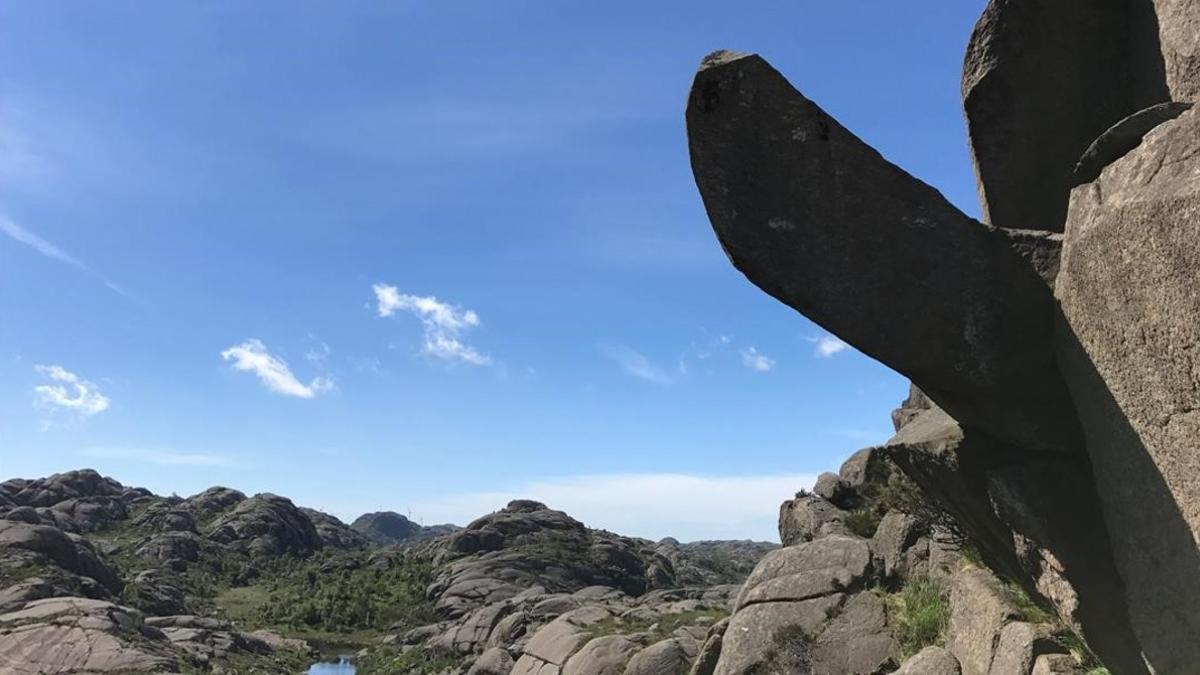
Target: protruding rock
<point>819,220</point>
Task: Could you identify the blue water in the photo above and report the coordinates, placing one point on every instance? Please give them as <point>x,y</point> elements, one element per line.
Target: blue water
<point>341,666</point>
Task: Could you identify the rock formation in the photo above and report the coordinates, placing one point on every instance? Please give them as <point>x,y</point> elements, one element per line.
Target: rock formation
<point>153,585</point>
<point>1055,342</point>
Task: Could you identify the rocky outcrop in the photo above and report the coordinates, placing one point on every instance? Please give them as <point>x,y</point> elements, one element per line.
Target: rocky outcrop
<point>334,533</point>
<point>1028,123</point>
<point>266,524</point>
<point>75,635</point>
<point>1128,350</point>
<point>1052,347</point>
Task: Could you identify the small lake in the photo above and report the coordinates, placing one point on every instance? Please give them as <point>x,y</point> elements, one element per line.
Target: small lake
<point>339,665</point>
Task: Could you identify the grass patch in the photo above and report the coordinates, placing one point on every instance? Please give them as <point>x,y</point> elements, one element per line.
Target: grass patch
<point>919,614</point>
<point>659,627</point>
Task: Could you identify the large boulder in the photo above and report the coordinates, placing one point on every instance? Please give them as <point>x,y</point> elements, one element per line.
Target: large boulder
<point>809,517</point>
<point>819,220</point>
<point>1029,123</point>
<point>77,635</point>
<point>790,597</point>
<point>1127,341</point>
<point>1179,41</point>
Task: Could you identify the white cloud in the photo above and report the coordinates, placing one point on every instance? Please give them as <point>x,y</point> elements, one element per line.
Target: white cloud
<point>647,505</point>
<point>157,457</point>
<point>636,364</point>
<point>443,323</point>
<point>71,392</point>
<point>827,346</point>
<point>756,360</point>
<point>252,356</point>
<point>23,236</point>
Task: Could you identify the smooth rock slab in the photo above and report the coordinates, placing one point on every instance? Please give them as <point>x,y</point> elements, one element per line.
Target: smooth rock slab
<point>751,631</point>
<point>931,661</point>
<point>826,566</point>
<point>1128,344</point>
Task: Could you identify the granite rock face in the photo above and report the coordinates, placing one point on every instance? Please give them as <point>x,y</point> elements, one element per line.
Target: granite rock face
<point>1130,324</point>
<point>1051,348</point>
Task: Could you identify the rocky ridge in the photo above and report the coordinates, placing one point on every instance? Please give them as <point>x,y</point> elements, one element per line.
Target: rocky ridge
<point>99,577</point>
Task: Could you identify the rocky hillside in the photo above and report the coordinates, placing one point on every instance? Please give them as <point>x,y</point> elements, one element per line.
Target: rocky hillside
<point>99,577</point>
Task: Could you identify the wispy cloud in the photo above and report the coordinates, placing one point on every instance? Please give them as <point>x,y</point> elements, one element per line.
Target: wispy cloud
<point>23,236</point>
<point>157,457</point>
<point>652,505</point>
<point>826,346</point>
<point>756,360</point>
<point>443,324</point>
<point>636,364</point>
<point>252,356</point>
<point>69,391</point>
<point>50,250</point>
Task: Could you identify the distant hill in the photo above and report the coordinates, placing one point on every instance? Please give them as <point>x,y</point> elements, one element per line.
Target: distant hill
<point>388,528</point>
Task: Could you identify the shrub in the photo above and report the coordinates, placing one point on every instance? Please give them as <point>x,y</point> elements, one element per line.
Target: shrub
<point>789,654</point>
<point>919,614</point>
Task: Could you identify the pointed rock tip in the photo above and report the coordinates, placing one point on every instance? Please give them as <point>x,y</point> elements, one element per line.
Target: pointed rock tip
<point>722,57</point>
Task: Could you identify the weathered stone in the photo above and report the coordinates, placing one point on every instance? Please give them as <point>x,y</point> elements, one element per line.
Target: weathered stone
<point>750,636</point>
<point>1019,645</point>
<point>710,649</point>
<point>931,661</point>
<point>1178,28</point>
<point>73,635</point>
<point>494,661</point>
<point>807,518</point>
<point>831,565</point>
<point>979,610</point>
<point>896,534</point>
<point>1057,664</point>
<point>1127,340</point>
<point>856,641</point>
<point>672,656</point>
<point>817,219</point>
<point>1030,121</point>
<point>605,655</point>
<point>1122,137</point>
<point>829,486</point>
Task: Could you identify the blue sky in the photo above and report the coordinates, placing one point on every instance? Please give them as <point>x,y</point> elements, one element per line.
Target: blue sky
<point>429,256</point>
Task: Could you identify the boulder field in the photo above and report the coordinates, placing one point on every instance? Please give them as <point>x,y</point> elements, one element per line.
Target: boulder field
<point>1053,345</point>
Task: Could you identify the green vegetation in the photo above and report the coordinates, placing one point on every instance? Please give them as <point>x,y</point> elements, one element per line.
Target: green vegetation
<point>920,614</point>
<point>336,595</point>
<point>386,659</point>
<point>863,521</point>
